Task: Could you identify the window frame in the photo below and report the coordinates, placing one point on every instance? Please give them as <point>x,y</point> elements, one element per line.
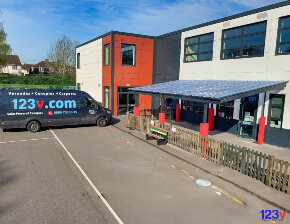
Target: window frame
<point>198,44</point>
<point>78,60</point>
<point>105,54</point>
<point>104,96</point>
<point>14,67</point>
<point>242,36</point>
<point>134,58</point>
<point>271,96</point>
<point>278,36</point>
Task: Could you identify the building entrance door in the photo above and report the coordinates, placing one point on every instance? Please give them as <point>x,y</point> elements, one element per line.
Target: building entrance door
<point>248,124</point>
<point>126,101</point>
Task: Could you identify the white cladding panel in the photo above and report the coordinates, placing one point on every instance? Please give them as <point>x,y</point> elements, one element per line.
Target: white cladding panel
<point>90,73</point>
<point>268,67</point>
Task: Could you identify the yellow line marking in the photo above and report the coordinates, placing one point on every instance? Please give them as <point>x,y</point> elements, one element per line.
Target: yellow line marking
<point>184,171</point>
<point>191,177</point>
<point>270,220</point>
<point>225,193</point>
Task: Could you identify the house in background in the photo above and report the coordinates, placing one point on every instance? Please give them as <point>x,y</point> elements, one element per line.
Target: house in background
<point>44,67</point>
<point>25,68</point>
<point>13,65</point>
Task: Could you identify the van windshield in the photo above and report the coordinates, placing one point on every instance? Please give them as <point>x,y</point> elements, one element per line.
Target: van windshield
<point>89,102</point>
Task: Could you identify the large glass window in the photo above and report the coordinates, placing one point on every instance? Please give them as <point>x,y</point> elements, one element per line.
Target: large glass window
<point>245,41</point>
<point>283,40</point>
<point>226,110</point>
<point>276,110</point>
<point>128,54</point>
<point>107,54</point>
<point>78,61</point>
<point>199,48</point>
<point>192,106</point>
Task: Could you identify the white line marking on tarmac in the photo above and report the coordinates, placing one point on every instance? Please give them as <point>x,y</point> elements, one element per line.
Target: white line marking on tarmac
<point>33,139</point>
<point>88,179</point>
<point>173,166</point>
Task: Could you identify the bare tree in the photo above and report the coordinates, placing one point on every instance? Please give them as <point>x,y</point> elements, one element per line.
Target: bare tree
<point>62,56</point>
<point>5,48</point>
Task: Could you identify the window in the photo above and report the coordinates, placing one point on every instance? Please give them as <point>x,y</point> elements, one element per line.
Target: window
<point>283,39</point>
<point>106,96</point>
<point>41,69</point>
<point>88,102</point>
<point>192,106</point>
<point>226,110</point>
<point>14,66</point>
<point>199,48</point>
<point>128,54</point>
<point>276,110</point>
<point>245,41</point>
<point>107,54</point>
<point>78,61</point>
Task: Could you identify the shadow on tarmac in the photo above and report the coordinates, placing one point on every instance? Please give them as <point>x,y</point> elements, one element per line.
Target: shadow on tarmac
<point>114,121</point>
<point>6,178</point>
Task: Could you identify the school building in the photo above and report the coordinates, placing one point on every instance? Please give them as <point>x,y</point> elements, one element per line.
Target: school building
<point>247,54</point>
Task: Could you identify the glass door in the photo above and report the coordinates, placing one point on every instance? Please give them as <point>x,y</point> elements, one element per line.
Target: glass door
<point>249,116</point>
<point>126,101</point>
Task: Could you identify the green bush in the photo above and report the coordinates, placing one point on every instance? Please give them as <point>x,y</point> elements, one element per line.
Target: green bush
<point>37,80</point>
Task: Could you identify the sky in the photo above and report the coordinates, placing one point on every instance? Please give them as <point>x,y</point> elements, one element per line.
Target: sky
<point>33,26</point>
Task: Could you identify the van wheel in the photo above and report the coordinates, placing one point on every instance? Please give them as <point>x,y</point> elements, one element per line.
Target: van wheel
<point>33,126</point>
<point>102,122</point>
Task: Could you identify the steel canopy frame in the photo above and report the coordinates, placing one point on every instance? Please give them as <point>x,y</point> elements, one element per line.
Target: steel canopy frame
<point>276,85</point>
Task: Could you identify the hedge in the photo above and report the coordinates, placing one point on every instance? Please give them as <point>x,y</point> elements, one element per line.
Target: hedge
<point>37,80</point>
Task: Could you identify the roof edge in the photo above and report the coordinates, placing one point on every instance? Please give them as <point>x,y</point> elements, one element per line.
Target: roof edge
<point>116,32</point>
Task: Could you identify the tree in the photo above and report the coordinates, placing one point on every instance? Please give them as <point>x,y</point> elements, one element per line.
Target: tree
<point>5,48</point>
<point>61,55</point>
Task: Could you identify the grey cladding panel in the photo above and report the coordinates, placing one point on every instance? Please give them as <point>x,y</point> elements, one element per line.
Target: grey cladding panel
<point>167,60</point>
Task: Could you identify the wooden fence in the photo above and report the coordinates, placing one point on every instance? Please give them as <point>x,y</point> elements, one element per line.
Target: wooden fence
<point>183,138</point>
<point>155,112</point>
<point>273,172</point>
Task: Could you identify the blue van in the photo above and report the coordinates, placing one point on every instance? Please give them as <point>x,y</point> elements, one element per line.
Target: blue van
<point>35,108</point>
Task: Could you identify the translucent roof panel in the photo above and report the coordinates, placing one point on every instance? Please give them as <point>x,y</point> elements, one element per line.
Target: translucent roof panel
<point>215,91</point>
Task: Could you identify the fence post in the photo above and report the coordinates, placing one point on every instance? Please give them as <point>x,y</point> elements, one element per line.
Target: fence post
<point>219,151</point>
<point>285,178</point>
<point>243,163</point>
<point>269,171</point>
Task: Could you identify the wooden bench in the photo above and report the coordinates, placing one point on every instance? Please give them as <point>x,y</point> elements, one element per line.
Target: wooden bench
<point>157,133</point>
